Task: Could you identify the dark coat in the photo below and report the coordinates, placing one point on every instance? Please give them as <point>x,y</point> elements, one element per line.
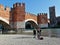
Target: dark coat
<point>34,32</point>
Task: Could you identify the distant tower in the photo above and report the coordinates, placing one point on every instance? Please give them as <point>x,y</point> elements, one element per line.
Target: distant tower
<point>17,16</point>
<point>42,20</point>
<point>53,21</point>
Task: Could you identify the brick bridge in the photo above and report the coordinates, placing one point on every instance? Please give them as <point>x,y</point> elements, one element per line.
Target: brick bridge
<point>17,17</point>
<point>4,17</point>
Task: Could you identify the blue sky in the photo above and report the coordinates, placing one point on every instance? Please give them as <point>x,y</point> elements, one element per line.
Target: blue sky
<point>35,6</point>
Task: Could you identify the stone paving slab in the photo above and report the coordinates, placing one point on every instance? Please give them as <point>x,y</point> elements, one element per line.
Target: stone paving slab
<point>27,40</point>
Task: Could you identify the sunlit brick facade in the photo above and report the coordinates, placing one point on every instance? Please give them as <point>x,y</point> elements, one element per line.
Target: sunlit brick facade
<point>17,16</point>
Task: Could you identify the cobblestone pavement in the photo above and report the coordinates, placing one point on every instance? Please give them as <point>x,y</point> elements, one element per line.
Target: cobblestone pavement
<point>27,40</point>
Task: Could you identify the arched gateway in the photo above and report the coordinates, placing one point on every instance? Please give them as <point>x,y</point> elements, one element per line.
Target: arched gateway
<point>4,25</point>
<point>30,24</point>
<point>18,19</point>
<point>4,18</point>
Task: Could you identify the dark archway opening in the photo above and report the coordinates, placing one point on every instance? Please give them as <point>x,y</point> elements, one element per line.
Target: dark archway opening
<point>4,26</point>
<point>58,24</point>
<point>30,25</point>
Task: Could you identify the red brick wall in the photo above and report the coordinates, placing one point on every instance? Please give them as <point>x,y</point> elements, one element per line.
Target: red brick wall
<point>4,13</point>
<point>42,18</point>
<point>30,16</point>
<point>18,12</point>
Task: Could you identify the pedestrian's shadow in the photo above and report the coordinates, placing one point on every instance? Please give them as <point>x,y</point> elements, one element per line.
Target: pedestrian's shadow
<point>22,37</point>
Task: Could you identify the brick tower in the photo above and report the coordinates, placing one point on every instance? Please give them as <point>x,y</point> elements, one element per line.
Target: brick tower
<point>17,16</point>
<point>53,21</point>
<point>42,20</point>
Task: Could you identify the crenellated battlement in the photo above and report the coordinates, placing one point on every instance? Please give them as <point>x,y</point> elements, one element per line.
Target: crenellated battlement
<point>18,4</point>
<point>7,9</point>
<point>1,7</point>
<point>4,8</point>
<point>30,14</point>
<point>42,13</point>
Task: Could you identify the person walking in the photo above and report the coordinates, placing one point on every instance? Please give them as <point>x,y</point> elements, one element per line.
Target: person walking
<point>34,33</point>
<point>38,33</point>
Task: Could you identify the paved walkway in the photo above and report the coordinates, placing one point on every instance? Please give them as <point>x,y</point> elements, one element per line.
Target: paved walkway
<point>27,40</point>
